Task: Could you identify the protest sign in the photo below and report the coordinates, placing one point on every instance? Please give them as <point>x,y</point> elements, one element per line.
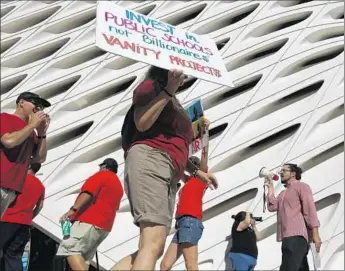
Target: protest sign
<point>196,115</point>
<point>130,34</point>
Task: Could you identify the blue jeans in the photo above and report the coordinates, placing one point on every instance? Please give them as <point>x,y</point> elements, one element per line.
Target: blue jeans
<point>189,230</point>
<point>242,262</point>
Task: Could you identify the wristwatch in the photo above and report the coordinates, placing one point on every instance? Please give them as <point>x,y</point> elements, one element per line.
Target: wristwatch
<point>167,92</point>
<point>195,171</point>
<point>73,209</point>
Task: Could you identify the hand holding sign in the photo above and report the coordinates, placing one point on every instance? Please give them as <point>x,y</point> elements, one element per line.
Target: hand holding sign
<point>205,136</point>
<point>206,124</point>
<point>175,79</point>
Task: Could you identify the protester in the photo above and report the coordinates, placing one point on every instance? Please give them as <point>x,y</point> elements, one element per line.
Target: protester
<point>155,162</point>
<point>297,221</point>
<point>19,143</point>
<point>16,221</point>
<point>244,251</point>
<point>188,215</point>
<point>92,215</point>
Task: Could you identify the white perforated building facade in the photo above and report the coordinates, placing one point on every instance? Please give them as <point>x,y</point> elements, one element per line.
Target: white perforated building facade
<point>287,61</point>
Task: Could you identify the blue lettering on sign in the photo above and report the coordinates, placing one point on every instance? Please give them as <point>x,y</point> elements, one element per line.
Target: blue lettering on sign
<point>150,22</point>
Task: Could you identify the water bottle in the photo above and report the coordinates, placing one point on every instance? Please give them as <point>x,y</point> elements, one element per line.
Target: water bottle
<point>66,228</point>
<point>26,256</point>
<point>25,260</point>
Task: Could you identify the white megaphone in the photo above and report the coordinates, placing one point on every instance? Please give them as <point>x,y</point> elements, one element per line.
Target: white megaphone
<point>265,173</point>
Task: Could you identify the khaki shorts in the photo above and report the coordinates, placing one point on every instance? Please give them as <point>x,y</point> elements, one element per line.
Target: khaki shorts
<point>8,196</point>
<point>84,240</point>
<point>150,182</point>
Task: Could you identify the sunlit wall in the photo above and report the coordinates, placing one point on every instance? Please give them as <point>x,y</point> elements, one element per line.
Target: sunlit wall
<point>287,61</point>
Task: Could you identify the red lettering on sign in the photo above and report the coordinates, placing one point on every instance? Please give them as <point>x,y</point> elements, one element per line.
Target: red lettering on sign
<point>195,66</point>
<point>134,47</point>
<point>196,145</point>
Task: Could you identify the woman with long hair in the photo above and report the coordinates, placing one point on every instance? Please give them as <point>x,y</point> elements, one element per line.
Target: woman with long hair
<point>155,162</point>
<point>244,252</point>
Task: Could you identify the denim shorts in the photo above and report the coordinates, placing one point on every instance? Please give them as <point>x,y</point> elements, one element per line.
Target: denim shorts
<point>240,261</point>
<point>189,230</point>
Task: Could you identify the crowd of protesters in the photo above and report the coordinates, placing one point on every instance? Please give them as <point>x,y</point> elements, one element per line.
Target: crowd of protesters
<point>156,137</point>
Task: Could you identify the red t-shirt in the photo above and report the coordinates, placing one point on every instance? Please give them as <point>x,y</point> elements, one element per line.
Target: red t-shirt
<point>15,161</point>
<point>172,132</point>
<point>107,191</point>
<point>22,210</point>
<point>190,198</point>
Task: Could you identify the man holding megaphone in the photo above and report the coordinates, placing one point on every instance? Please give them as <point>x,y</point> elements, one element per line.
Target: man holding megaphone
<point>297,221</point>
<point>265,173</point>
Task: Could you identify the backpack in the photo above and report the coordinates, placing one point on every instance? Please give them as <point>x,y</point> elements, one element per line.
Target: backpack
<point>129,130</point>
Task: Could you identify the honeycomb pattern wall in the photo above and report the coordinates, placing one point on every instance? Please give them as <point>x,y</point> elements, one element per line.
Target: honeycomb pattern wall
<point>287,61</point>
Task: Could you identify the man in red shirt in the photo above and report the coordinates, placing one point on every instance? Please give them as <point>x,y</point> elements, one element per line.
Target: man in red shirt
<point>16,221</point>
<point>19,142</point>
<point>92,215</point>
<point>188,215</point>
<point>297,221</point>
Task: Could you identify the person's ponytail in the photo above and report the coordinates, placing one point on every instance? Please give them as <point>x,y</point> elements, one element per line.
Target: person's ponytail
<point>298,173</point>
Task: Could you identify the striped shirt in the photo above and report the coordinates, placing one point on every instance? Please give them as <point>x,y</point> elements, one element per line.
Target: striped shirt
<point>296,211</point>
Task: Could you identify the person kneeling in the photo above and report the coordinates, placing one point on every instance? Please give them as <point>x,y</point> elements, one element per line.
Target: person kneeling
<point>244,251</point>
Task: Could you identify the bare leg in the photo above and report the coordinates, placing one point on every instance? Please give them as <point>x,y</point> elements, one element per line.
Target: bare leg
<point>77,262</point>
<point>171,256</point>
<point>125,263</point>
<point>190,254</point>
<point>152,239</point>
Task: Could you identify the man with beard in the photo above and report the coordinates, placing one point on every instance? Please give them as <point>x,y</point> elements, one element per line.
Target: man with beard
<point>297,221</point>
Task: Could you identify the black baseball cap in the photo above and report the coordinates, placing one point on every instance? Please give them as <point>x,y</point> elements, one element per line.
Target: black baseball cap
<point>35,167</point>
<point>110,163</point>
<point>34,98</point>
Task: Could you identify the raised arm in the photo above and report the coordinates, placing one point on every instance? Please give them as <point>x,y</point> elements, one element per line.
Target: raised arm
<point>148,105</point>
<point>11,139</point>
<point>256,231</point>
<point>41,155</point>
<point>204,153</point>
<point>272,201</point>
<point>146,115</point>
<point>206,177</point>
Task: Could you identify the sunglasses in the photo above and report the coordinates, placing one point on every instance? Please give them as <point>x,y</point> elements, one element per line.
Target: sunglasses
<point>38,107</point>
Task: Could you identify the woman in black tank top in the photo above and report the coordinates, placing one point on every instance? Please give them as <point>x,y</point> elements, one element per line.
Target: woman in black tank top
<point>244,251</point>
